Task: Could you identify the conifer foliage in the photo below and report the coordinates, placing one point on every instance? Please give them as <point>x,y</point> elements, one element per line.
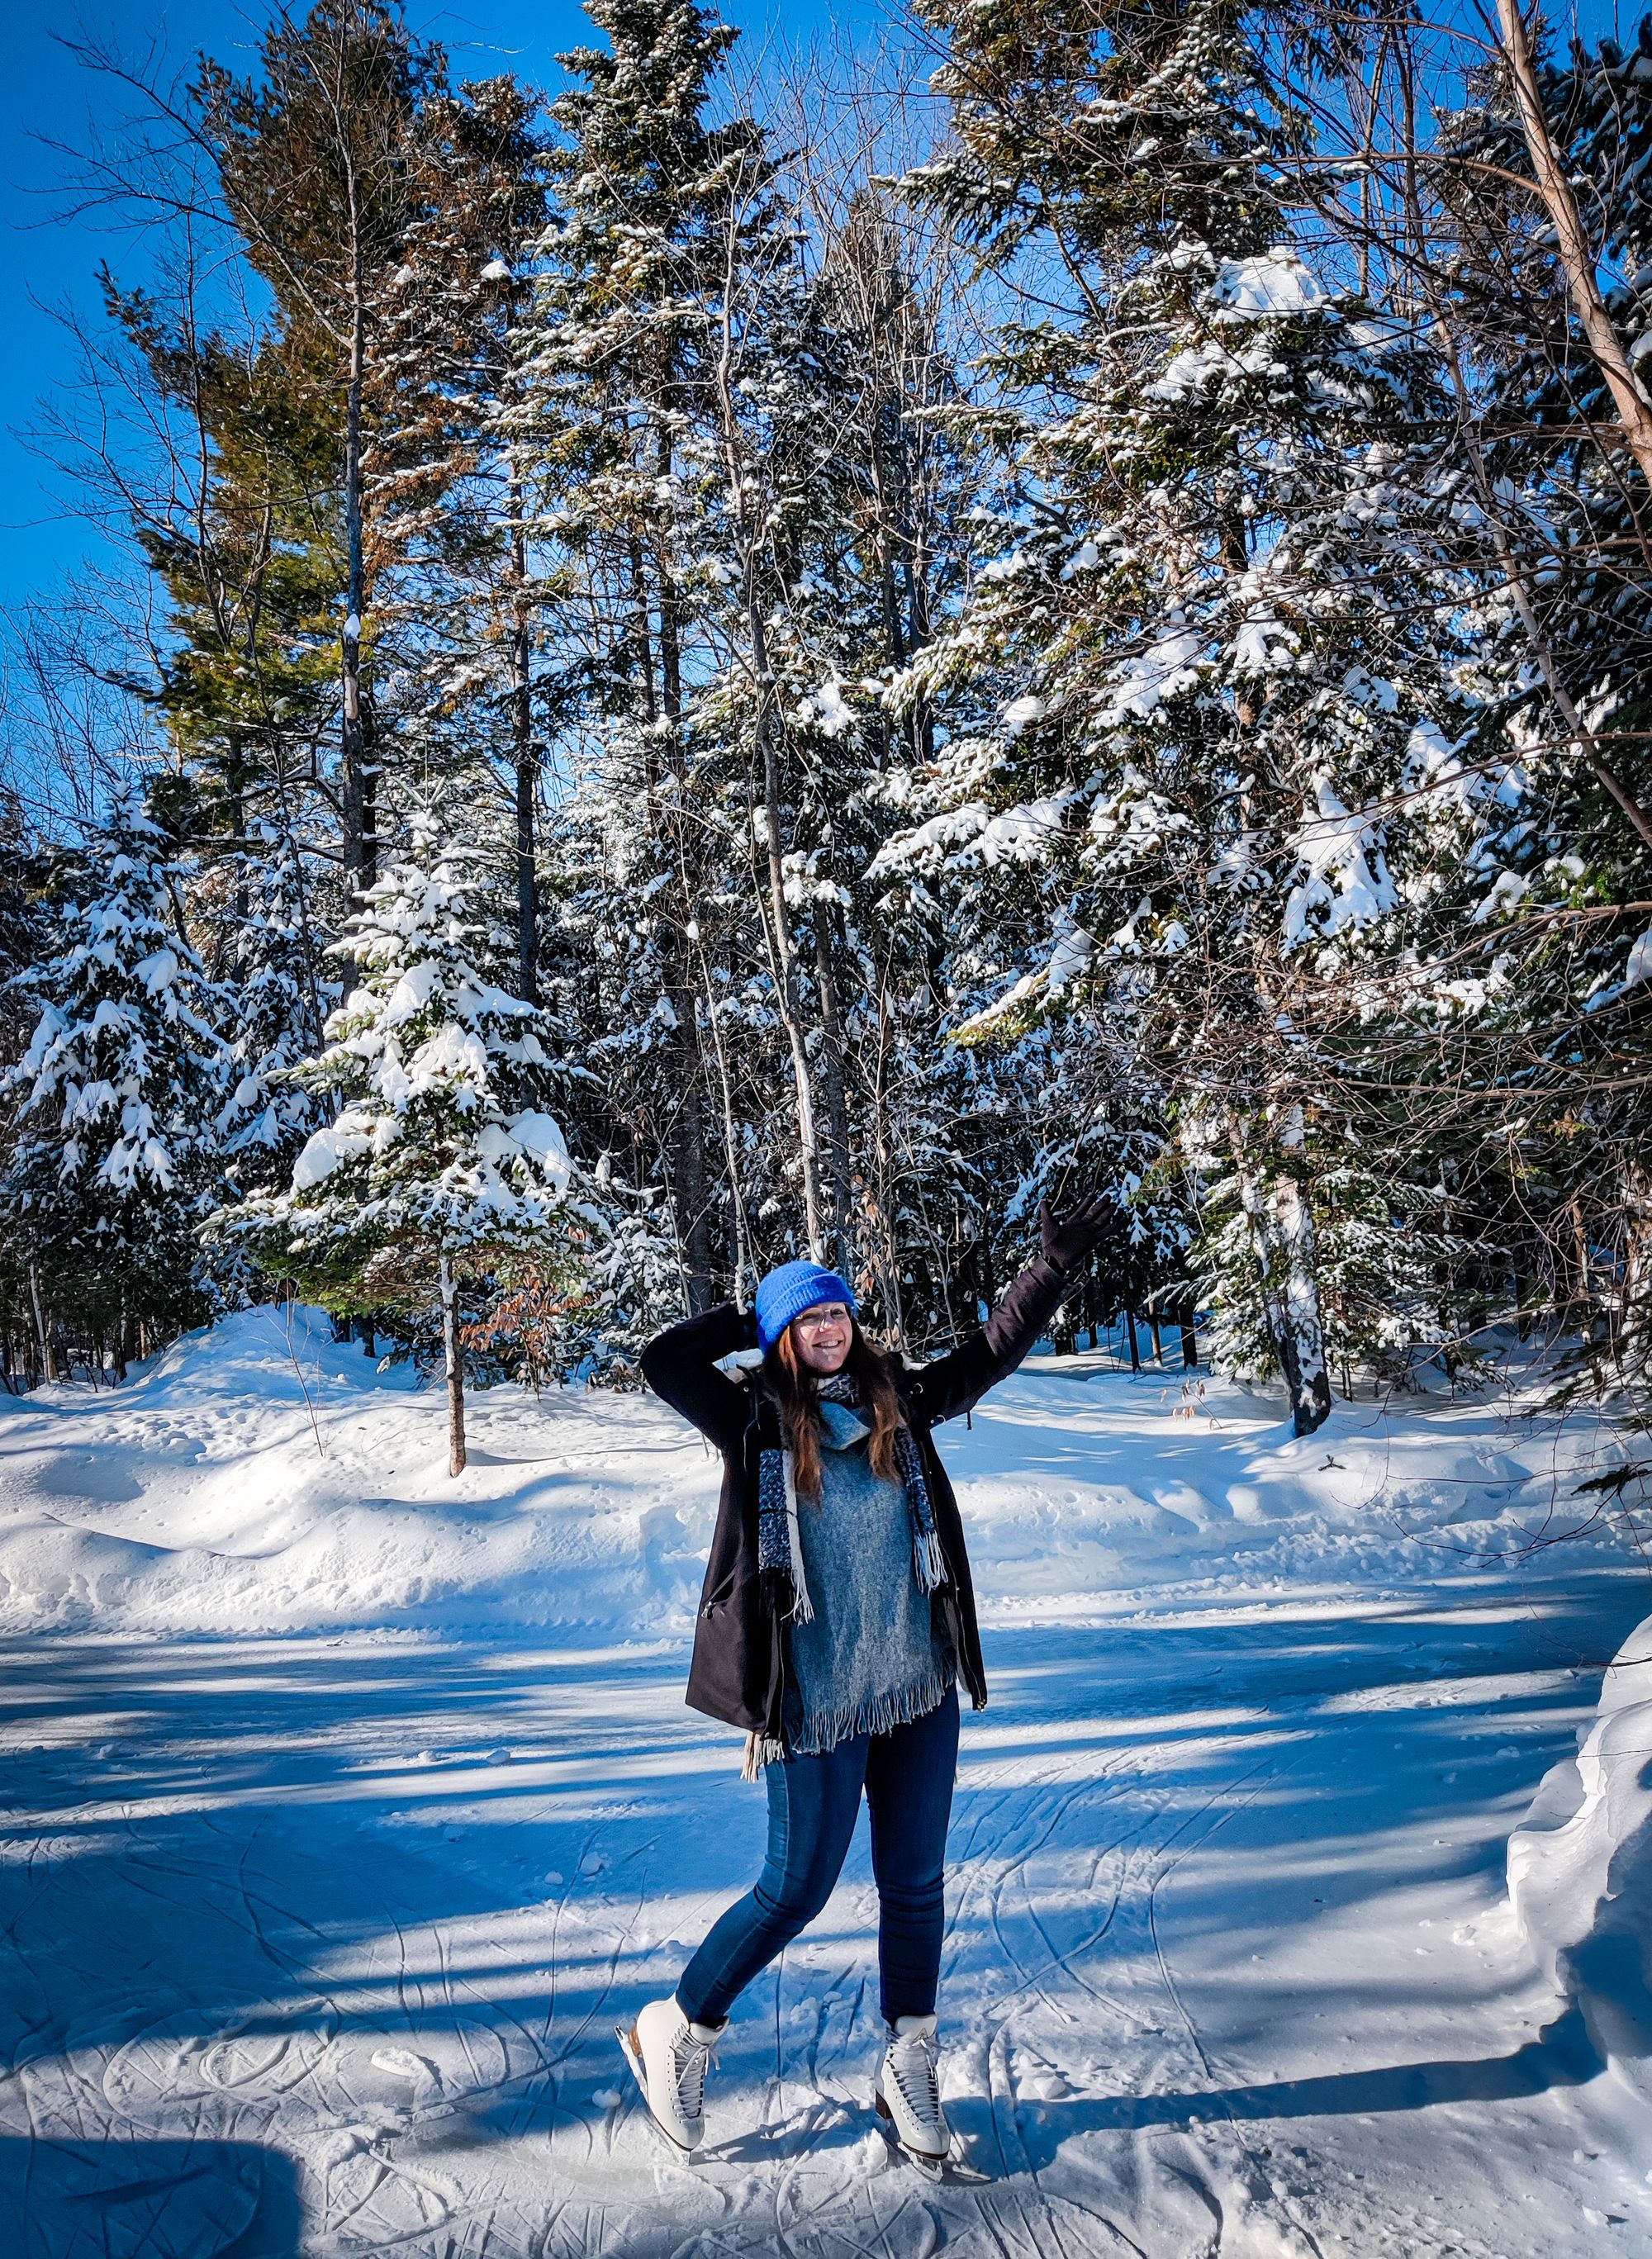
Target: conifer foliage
<point>438,1162</point>
<point>114,1158</point>
<point>1118,656</point>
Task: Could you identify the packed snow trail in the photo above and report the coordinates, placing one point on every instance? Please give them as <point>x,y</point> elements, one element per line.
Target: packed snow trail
<point>316,1942</point>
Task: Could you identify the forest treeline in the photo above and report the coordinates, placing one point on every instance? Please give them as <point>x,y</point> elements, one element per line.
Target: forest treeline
<point>713,670</point>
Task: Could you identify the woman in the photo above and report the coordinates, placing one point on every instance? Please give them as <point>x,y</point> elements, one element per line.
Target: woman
<point>837,1624</point>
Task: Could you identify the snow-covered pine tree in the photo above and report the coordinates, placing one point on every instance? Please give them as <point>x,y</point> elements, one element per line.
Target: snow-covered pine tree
<point>611,414</point>
<point>117,1146</point>
<point>282,995</point>
<point>440,1165</point>
<point>1224,600</point>
<point>464,626</point>
<point>846,513</point>
<point>366,192</point>
<point>223,505</point>
<point>679,370</point>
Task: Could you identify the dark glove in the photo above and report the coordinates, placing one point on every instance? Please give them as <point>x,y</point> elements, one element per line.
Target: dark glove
<point>1068,1241</point>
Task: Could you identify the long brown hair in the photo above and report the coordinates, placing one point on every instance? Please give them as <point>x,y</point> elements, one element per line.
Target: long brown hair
<point>795,1391</point>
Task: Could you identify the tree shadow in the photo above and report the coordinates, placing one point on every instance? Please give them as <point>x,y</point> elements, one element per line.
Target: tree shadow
<point>120,2200</point>
<point>1561,2054</point>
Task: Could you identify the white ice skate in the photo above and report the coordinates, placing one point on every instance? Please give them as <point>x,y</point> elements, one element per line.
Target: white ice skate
<point>907,2094</point>
<point>668,2057</point>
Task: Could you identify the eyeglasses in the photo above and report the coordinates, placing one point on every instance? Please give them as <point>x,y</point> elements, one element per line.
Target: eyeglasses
<point>832,1314</point>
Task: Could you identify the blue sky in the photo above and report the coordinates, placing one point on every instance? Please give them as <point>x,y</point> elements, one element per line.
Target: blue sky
<point>43,92</point>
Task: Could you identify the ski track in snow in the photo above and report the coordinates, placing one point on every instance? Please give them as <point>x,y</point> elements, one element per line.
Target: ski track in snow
<point>315,1938</point>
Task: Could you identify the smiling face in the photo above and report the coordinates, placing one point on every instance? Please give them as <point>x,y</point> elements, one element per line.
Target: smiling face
<point>822,1337</point>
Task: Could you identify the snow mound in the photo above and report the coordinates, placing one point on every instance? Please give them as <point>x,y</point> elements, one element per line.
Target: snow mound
<point>260,1477</point>
<point>1580,1870</point>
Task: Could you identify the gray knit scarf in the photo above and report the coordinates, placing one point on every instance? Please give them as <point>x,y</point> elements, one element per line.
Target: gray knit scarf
<point>780,1555</point>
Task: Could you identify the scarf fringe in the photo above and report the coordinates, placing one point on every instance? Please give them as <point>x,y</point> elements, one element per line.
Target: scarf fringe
<point>761,1751</point>
<point>929,1563</point>
<point>878,1713</point>
<point>802,1606</point>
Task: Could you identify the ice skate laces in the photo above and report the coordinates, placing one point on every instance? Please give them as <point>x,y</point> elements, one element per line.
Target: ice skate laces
<point>689,2059</point>
<point>913,2067</point>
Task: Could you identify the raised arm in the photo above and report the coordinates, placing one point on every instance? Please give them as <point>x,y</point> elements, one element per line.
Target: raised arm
<point>955,1382</point>
<point>680,1365</point>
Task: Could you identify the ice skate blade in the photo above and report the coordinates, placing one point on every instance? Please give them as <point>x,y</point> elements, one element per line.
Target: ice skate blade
<point>626,2034</point>
<point>948,2166</point>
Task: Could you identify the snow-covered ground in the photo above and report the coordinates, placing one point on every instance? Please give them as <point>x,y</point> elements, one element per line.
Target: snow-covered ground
<point>348,1807</point>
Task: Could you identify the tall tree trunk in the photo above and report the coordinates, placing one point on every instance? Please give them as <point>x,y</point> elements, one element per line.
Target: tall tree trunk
<point>522,747</point>
<point>361,846</point>
<point>837,1147</point>
<point>743,1263</point>
<point>785,955</point>
<point>884,1250</point>
<point>42,1328</point>
<point>1586,1302</point>
<point>691,1189</point>
<point>749,514</point>
<point>1578,257</point>
<point>527,768</point>
<point>454,1356</point>
<point>1282,1241</point>
<point>40,1320</point>
<point>692,1179</point>
<point>1294,1236</point>
<point>1635,1329</point>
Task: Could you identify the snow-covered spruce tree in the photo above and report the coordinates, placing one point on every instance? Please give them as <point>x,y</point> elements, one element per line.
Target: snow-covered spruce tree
<point>366,191</point>
<point>691,397</point>
<point>117,1150</point>
<point>1221,600</point>
<point>282,995</point>
<point>611,414</point>
<point>467,627</point>
<point>439,1167</point>
<point>879,496</point>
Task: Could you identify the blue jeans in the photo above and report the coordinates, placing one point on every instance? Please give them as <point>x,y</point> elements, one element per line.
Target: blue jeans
<point>813,1806</point>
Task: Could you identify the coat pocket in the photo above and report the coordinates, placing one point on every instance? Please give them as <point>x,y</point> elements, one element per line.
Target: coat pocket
<point>716,1597</point>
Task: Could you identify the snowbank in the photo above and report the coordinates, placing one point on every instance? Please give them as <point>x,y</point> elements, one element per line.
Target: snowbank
<point>262,1478</point>
<point>1580,1870</point>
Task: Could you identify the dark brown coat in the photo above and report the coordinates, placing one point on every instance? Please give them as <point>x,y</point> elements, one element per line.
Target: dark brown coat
<point>739,1670</point>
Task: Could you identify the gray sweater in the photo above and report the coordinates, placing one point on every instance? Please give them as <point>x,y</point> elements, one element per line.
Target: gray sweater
<point>870,1657</point>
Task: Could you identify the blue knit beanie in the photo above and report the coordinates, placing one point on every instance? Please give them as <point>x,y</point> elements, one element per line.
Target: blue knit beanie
<point>786,1293</point>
